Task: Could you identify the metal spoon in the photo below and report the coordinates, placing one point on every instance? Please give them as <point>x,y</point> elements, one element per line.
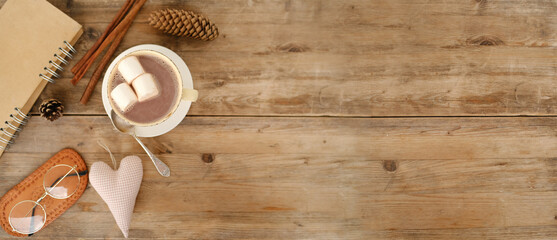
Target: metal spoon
<point>122,126</point>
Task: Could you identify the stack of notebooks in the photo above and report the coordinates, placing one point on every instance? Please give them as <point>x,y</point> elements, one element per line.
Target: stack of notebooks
<point>36,41</point>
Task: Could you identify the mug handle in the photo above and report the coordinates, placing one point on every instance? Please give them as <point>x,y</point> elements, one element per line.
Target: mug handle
<point>189,94</point>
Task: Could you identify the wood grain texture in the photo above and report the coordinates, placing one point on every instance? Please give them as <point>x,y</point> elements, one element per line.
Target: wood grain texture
<point>324,119</point>
<point>384,138</point>
<point>352,58</point>
<point>350,178</point>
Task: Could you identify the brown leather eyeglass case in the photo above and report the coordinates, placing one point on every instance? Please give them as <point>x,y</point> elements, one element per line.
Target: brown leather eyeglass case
<point>31,188</point>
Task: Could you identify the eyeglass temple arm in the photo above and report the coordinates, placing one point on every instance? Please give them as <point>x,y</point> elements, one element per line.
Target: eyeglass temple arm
<point>41,198</point>
<point>70,175</point>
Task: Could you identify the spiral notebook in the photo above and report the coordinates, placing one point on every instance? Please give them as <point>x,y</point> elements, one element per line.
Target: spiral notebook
<point>36,42</point>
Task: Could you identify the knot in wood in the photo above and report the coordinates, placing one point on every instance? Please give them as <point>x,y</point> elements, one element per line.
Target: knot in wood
<point>484,40</point>
<point>390,165</point>
<point>208,157</point>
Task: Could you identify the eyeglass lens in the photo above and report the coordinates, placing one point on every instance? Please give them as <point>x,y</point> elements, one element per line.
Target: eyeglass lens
<point>61,181</point>
<point>27,217</point>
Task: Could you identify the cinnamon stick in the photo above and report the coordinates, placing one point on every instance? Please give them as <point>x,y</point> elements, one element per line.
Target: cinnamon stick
<point>117,19</point>
<point>98,71</point>
<point>124,24</point>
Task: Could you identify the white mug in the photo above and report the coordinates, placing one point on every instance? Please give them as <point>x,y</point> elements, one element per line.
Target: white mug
<point>186,94</point>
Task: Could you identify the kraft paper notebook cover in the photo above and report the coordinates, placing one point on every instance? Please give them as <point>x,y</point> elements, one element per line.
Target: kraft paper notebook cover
<point>36,38</point>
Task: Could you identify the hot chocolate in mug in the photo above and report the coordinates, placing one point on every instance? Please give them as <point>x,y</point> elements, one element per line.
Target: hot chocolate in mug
<point>165,74</point>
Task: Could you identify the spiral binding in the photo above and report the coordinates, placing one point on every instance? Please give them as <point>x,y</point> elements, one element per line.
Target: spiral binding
<point>65,53</point>
<point>62,60</point>
<point>6,137</point>
<point>10,125</point>
<point>53,73</point>
<point>9,134</point>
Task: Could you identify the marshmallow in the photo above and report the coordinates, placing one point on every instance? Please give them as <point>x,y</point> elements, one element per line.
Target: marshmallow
<point>145,87</point>
<point>123,96</point>
<point>130,68</point>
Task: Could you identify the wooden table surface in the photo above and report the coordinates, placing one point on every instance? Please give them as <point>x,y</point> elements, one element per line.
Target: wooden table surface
<point>354,119</point>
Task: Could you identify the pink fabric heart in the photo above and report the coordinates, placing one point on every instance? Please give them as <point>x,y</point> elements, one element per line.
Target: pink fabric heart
<point>118,188</point>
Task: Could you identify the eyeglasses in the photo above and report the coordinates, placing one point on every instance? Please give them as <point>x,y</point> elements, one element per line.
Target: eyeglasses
<point>59,182</point>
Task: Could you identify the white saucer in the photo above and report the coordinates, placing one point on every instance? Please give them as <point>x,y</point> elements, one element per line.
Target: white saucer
<point>183,107</point>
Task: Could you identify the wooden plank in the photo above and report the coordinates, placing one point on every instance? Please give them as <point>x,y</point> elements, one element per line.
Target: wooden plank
<point>352,178</point>
<point>200,186</point>
<point>352,58</point>
<point>384,138</point>
<point>418,177</point>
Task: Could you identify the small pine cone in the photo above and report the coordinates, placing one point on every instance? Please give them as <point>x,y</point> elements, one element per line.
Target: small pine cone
<point>51,109</point>
<point>184,23</point>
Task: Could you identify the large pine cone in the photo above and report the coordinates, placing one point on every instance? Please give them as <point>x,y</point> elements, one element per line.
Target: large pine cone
<point>51,109</point>
<point>180,23</point>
